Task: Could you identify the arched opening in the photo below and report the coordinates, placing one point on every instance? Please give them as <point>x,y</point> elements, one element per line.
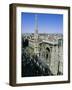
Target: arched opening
<point>47,52</point>
<point>48,55</point>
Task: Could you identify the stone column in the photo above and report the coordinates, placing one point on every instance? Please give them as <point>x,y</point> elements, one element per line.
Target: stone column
<point>54,60</point>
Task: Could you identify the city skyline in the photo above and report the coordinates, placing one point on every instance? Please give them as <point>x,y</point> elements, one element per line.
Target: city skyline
<point>47,23</point>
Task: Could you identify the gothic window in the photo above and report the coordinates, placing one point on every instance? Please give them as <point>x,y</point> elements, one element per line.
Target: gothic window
<point>48,55</point>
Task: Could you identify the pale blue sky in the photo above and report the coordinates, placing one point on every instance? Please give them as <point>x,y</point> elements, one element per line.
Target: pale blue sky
<point>47,23</point>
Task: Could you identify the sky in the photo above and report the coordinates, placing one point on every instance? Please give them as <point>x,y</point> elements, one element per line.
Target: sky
<point>47,23</point>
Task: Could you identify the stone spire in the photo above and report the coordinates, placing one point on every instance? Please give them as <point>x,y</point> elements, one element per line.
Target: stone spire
<point>36,23</point>
<point>36,51</point>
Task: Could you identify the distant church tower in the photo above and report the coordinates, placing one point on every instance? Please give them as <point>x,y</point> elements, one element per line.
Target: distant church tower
<point>36,43</point>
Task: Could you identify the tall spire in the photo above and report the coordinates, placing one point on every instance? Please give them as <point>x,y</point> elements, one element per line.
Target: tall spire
<point>36,23</point>
<point>36,50</point>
